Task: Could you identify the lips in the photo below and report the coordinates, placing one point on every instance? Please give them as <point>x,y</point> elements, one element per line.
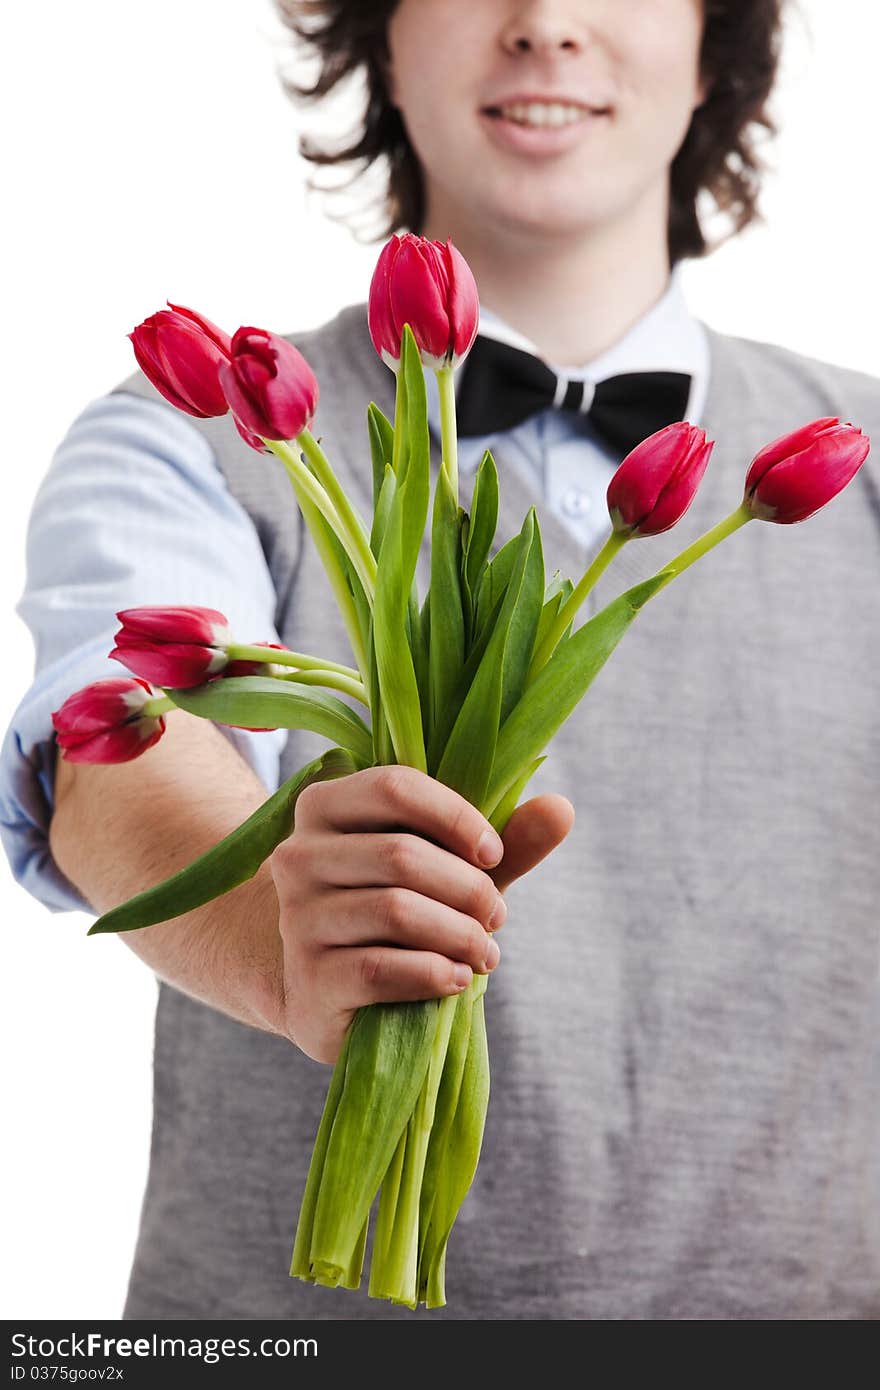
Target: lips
<point>544,124</point>
<point>494,108</point>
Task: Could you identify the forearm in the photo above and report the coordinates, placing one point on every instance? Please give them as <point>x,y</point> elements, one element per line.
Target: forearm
<point>119,829</point>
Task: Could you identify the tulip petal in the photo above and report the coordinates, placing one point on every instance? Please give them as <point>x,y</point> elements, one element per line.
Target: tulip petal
<point>798,487</point>
<point>216,334</point>
<point>173,665</point>
<point>271,388</point>
<point>786,445</point>
<point>416,298</point>
<point>180,353</point>
<point>118,745</point>
<point>657,481</point>
<point>177,623</point>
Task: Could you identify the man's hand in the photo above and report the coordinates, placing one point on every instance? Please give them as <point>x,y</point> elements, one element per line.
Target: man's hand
<point>387,893</point>
<point>379,893</point>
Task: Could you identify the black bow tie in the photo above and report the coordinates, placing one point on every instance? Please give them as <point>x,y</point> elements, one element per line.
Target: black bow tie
<point>499,386</point>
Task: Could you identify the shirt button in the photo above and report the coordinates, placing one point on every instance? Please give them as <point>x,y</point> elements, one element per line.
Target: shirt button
<point>575,502</point>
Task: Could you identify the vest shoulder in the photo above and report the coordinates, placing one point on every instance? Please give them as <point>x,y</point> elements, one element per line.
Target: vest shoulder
<point>843,389</point>
<point>349,324</point>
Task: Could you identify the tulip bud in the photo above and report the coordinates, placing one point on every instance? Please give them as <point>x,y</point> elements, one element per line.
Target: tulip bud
<point>105,723</point>
<point>657,481</point>
<point>795,475</point>
<point>429,286</point>
<point>172,647</point>
<point>181,352</point>
<point>269,385</point>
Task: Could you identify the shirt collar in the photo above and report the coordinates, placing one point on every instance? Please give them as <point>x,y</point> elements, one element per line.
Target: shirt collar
<point>666,338</point>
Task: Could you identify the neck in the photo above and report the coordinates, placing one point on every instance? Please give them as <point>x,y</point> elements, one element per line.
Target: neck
<point>572,296</point>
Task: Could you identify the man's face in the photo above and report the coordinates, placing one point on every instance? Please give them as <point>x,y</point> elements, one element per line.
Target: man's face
<point>631,67</point>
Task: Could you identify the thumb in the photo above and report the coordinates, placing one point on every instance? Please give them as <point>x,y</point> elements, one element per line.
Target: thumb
<point>535,828</point>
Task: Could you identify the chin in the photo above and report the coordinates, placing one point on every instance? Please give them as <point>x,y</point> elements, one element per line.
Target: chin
<point>553,217</point>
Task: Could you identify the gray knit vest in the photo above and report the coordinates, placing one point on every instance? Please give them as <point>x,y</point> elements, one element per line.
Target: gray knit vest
<point>684,1029</point>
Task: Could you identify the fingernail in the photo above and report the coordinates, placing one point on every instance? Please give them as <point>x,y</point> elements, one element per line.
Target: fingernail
<point>499,914</point>
<point>490,848</point>
<point>493,954</point>
<point>461,976</point>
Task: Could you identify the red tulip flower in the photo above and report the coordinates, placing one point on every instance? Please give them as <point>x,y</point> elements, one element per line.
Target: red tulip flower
<point>172,647</point>
<point>657,481</point>
<point>181,352</point>
<point>105,723</point>
<point>269,385</point>
<point>429,286</point>
<point>797,474</point>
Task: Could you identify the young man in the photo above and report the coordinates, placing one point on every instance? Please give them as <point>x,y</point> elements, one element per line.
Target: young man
<point>683,1120</point>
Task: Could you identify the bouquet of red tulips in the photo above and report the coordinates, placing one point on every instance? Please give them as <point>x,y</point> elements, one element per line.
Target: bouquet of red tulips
<point>469,685</point>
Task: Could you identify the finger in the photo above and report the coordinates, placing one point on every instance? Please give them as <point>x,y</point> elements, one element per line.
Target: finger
<point>535,828</point>
<point>386,975</point>
<point>391,797</point>
<point>410,861</point>
<point>397,916</point>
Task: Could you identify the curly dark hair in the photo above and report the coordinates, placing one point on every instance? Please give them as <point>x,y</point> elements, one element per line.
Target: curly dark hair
<point>719,155</point>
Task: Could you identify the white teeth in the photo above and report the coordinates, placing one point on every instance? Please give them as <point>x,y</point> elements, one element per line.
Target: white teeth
<point>539,113</point>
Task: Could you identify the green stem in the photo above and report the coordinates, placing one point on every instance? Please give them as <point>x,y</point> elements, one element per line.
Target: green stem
<point>355,529</point>
<point>448,434</point>
<point>615,541</point>
<point>308,488</point>
<point>159,704</point>
<point>396,1273</point>
<point>241,652</point>
<point>315,521</point>
<point>704,543</point>
<point>333,680</point>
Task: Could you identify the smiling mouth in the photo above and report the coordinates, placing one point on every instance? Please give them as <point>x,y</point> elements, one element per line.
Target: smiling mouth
<point>544,115</point>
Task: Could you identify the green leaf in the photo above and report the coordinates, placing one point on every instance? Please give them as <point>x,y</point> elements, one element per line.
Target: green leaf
<point>398,684</point>
<point>382,510</point>
<point>462,1153</point>
<point>423,675</point>
<point>523,624</point>
<point>446,648</point>
<point>437,1162</point>
<point>493,582</point>
<point>501,814</point>
<point>301,1261</point>
<point>231,862</point>
<point>416,486</point>
<point>381,432</point>
<point>556,594</point>
<point>392,618</point>
<point>480,532</point>
<point>548,613</point>
<point>259,702</point>
<point>450,711</point>
<point>383,748</point>
<point>554,585</point>
<point>385,1067</point>
<point>561,684</point>
<point>417,636</point>
<point>468,756</point>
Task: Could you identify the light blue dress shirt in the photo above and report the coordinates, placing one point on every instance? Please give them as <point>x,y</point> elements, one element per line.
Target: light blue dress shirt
<point>134,511</point>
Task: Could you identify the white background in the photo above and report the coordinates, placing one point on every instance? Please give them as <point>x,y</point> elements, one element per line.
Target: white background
<point>153,156</point>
